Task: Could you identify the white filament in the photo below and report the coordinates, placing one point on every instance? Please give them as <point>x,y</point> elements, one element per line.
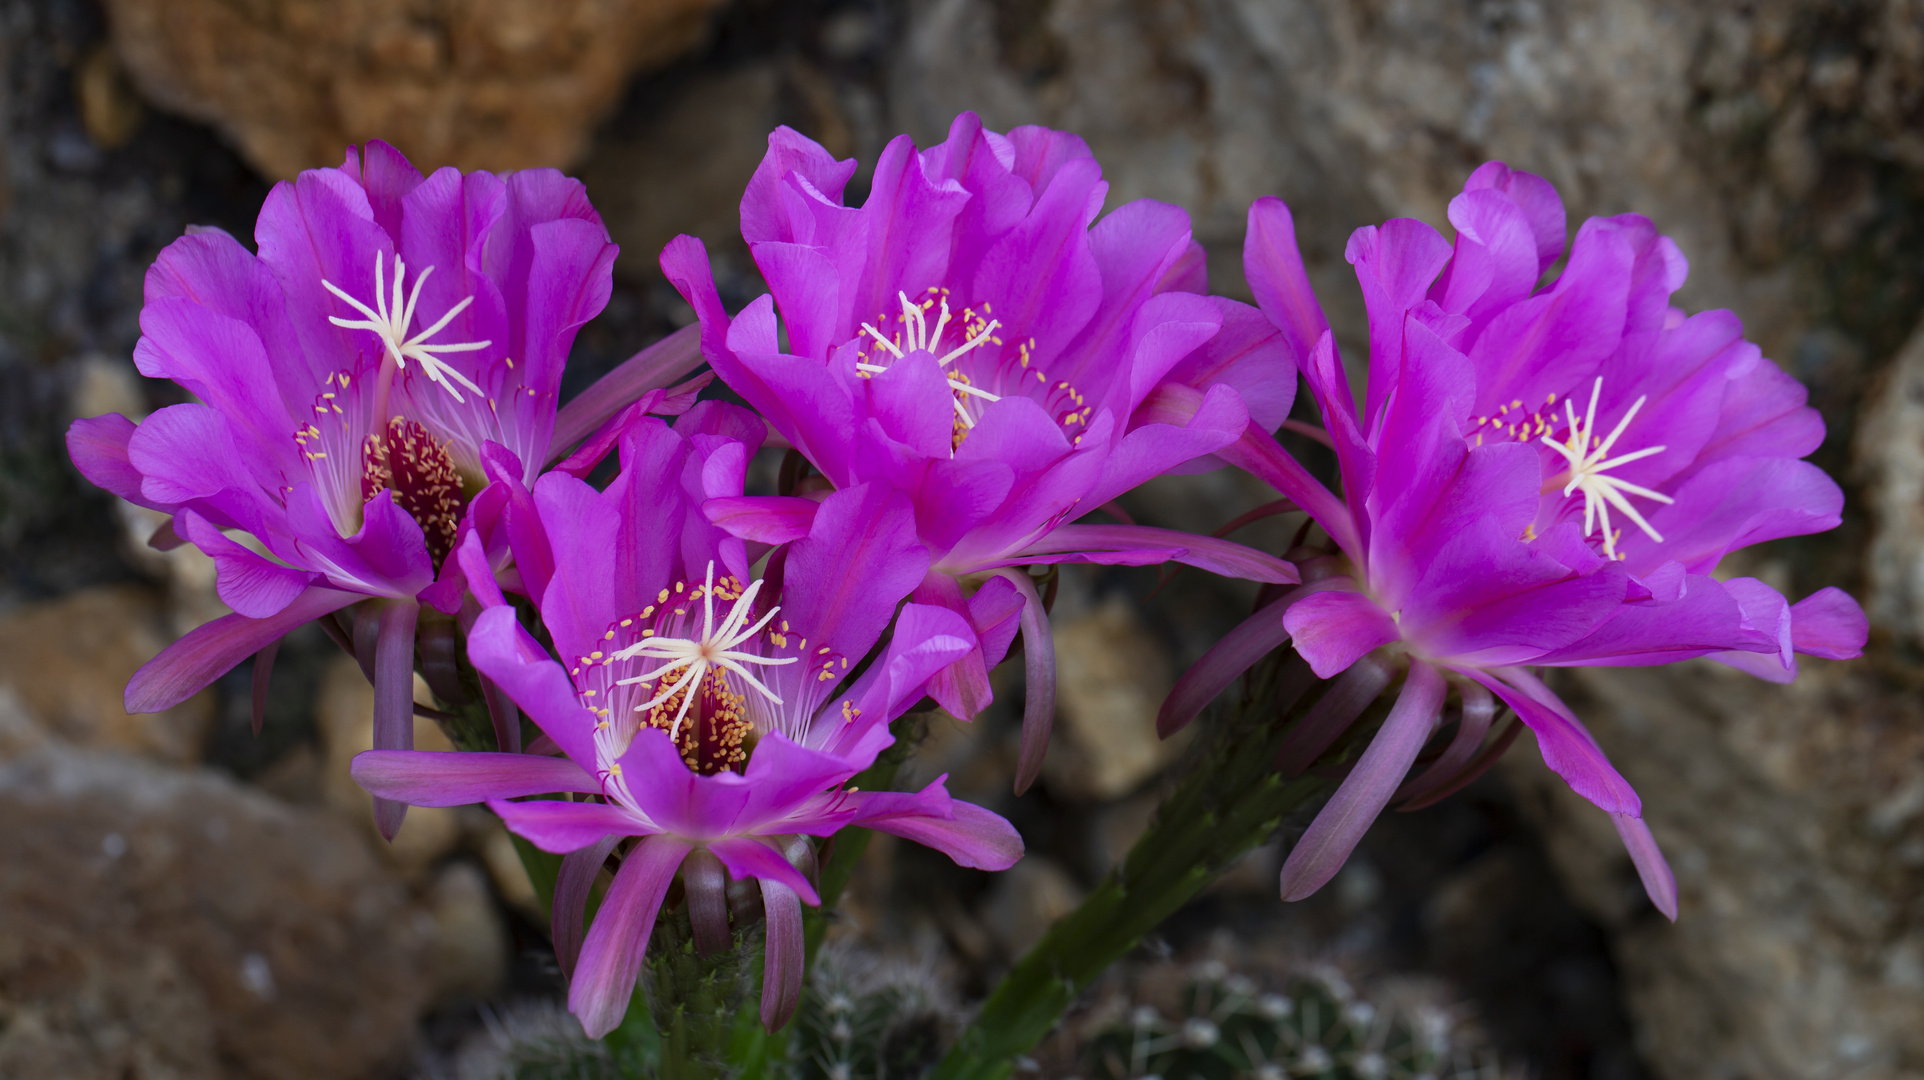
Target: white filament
<point>391,319</point>
<point>1589,462</point>
<point>921,337</point>
<point>715,649</point>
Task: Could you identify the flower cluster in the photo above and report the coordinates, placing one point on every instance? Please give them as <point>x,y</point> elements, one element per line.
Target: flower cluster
<point>963,371</point>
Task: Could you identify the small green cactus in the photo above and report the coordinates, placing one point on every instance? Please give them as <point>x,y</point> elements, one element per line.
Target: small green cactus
<point>1316,1028</point>
<point>861,1019</point>
<point>527,1040</point>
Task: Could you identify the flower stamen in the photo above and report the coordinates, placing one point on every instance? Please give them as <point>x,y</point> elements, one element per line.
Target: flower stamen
<point>390,320</point>
<point>693,659</point>
<point>919,336</point>
<point>1589,460</point>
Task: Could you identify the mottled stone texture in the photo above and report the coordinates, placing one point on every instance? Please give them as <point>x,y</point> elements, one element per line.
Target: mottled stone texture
<point>168,923</point>
<point>489,84</point>
<point>66,661</point>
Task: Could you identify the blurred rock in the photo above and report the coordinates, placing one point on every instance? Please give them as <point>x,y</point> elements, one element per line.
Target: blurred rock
<point>344,713</point>
<point>105,384</point>
<point>966,751</point>
<point>498,84</point>
<point>19,732</point>
<point>67,662</point>
<point>1794,819</point>
<point>108,107</point>
<point>164,923</point>
<point>1890,461</point>
<point>469,960</point>
<point>509,874</point>
<point>1026,900</point>
<point>1120,824</point>
<point>682,169</point>
<point>295,777</point>
<point>1111,677</point>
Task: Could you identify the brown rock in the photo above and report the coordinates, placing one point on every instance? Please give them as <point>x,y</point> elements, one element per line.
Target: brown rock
<point>1026,900</point>
<point>510,876</point>
<point>160,923</point>
<point>1111,677</point>
<point>109,110</point>
<point>470,953</point>
<point>495,84</point>
<point>67,663</point>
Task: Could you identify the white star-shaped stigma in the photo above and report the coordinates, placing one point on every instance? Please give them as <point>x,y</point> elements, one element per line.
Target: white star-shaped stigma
<point>391,319</point>
<point>1589,460</point>
<point>716,649</point>
<point>921,336</point>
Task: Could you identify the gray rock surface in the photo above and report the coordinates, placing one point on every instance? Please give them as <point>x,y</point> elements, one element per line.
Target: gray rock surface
<point>168,923</point>
<point>1794,819</point>
<point>1890,463</point>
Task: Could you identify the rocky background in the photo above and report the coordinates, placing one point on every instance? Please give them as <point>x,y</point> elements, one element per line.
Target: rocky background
<point>181,899</point>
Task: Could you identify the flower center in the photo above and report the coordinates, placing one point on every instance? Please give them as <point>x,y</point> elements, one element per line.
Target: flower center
<point>981,369</point>
<point>1589,461</point>
<point>689,676</point>
<point>720,735</point>
<point>415,466</point>
<point>389,319</point>
<point>914,334</point>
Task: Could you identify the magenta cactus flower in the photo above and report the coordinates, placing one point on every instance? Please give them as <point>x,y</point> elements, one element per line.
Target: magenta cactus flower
<point>397,338</point>
<point>974,337</point>
<point>1540,476</point>
<point>709,713</point>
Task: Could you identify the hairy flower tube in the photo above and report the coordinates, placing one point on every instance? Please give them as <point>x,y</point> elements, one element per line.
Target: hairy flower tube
<point>1539,476</point>
<point>398,340</point>
<point>974,337</point>
<point>707,717</point>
